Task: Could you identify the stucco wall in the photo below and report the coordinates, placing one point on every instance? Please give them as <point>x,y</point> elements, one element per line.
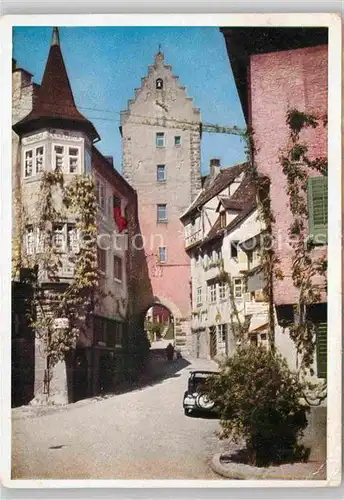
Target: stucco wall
<point>282,80</point>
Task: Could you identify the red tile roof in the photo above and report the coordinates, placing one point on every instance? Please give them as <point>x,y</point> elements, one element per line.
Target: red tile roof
<point>54,105</point>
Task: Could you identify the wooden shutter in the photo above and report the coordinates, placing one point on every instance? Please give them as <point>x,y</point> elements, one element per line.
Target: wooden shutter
<point>317,207</point>
<point>321,346</point>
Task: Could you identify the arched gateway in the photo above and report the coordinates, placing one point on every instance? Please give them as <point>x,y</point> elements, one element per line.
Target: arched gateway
<point>176,327</point>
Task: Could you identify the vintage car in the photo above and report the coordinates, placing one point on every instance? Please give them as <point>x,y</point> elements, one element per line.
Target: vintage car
<point>195,398</point>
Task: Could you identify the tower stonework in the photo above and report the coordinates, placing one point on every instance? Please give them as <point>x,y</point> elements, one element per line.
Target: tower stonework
<point>161,137</point>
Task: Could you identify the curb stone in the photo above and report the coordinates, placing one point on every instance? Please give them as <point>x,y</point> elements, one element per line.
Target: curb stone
<point>233,470</point>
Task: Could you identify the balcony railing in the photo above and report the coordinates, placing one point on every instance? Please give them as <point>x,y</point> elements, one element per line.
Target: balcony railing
<point>193,238</point>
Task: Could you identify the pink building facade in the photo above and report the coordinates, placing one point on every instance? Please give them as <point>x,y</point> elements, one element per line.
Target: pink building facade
<point>292,79</point>
<point>276,70</point>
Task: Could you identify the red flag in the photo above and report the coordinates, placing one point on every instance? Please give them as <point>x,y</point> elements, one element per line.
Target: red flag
<point>121,222</point>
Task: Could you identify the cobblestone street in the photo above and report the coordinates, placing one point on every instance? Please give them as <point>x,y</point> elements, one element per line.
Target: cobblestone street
<point>142,434</point>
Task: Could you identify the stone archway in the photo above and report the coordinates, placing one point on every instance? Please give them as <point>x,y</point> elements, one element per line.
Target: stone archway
<point>181,325</point>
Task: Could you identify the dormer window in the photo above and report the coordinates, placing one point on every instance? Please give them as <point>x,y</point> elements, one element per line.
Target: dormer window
<point>159,84</point>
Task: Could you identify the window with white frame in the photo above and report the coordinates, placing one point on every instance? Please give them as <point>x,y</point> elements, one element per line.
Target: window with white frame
<point>100,194</point>
<point>73,160</point>
<point>162,255</point>
<point>199,296</point>
<point>161,173</point>
<point>58,157</point>
<point>212,292</point>
<point>39,159</point>
<point>72,239</point>
<point>30,240</point>
<point>59,237</point>
<point>177,140</point>
<point>160,140</point>
<point>66,238</point>
<point>238,288</point>
<point>117,268</point>
<point>222,333</point>
<point>28,165</point>
<point>222,290</point>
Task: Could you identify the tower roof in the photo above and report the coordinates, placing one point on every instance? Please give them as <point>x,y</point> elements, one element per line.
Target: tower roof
<point>54,105</point>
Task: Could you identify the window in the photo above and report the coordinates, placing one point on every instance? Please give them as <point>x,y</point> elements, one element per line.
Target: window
<point>177,140</point>
<point>162,213</point>
<point>212,292</point>
<point>100,194</point>
<point>59,237</point>
<point>317,208</point>
<point>117,268</point>
<point>238,288</point>
<point>161,173</point>
<point>234,249</point>
<point>160,140</point>
<point>72,239</point>
<point>199,296</point>
<point>159,84</point>
<point>223,219</point>
<point>73,160</point>
<point>222,333</point>
<point>39,159</point>
<point>28,163</point>
<point>58,154</point>
<point>162,254</point>
<point>101,259</point>
<point>30,241</point>
<point>321,349</point>
<point>222,290</point>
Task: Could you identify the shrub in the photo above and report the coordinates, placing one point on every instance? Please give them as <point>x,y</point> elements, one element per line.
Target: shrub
<point>260,401</point>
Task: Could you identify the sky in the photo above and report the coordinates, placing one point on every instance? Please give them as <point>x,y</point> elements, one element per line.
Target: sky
<point>106,64</point>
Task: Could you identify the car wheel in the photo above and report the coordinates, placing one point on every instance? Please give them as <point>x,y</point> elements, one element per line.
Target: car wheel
<point>204,402</point>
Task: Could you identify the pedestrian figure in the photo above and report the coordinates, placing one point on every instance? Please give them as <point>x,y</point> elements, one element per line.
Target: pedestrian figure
<point>169,352</point>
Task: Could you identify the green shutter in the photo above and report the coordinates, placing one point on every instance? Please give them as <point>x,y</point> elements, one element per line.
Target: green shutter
<point>317,208</point>
<point>321,344</point>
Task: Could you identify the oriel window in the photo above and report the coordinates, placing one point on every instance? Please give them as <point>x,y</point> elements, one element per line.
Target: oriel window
<point>28,163</point>
<point>39,159</point>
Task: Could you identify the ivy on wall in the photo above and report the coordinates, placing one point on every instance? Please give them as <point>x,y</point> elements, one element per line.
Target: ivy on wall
<point>73,301</point>
<point>296,166</point>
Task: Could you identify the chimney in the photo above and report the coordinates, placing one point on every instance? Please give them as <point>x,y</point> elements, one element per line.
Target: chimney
<point>214,167</point>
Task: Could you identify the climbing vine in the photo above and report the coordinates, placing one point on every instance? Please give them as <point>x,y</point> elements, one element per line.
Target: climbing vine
<point>270,262</point>
<point>296,167</point>
<point>59,315</point>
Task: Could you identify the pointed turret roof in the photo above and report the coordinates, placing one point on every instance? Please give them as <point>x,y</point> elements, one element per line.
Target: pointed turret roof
<point>54,105</point>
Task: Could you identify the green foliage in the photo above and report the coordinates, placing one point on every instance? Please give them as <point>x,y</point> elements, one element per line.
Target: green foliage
<point>77,298</point>
<point>259,400</point>
<point>296,166</point>
<point>297,120</point>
